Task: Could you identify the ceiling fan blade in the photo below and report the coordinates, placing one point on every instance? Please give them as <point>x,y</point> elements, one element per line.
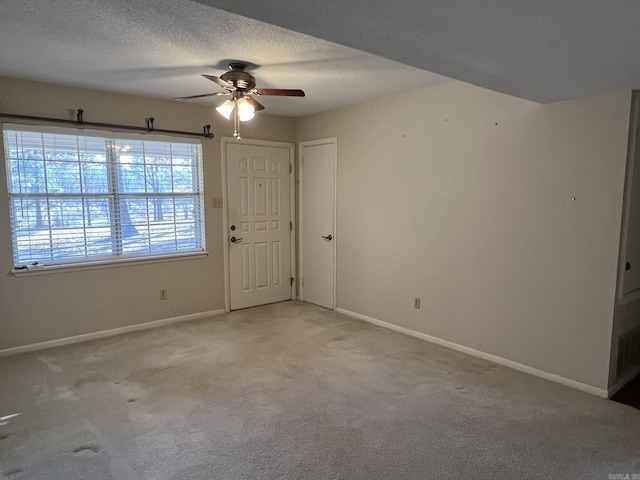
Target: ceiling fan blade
<point>280,92</point>
<point>203,95</point>
<point>219,81</point>
<point>256,104</point>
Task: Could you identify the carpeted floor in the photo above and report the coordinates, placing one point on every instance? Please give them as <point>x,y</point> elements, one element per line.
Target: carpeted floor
<point>293,391</point>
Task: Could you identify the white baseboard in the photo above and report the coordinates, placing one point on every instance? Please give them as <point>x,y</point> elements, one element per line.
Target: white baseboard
<point>584,387</point>
<point>106,333</point>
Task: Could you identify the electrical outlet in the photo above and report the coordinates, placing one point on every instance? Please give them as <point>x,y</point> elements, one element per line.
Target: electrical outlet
<point>163,294</point>
<point>416,302</point>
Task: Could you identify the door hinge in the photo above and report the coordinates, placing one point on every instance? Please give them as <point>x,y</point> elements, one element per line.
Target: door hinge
<point>302,282</point>
<point>291,226</point>
<point>290,168</point>
<point>292,279</point>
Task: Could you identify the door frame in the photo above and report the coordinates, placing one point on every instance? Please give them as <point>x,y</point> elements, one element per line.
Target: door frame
<point>224,141</point>
<point>326,141</point>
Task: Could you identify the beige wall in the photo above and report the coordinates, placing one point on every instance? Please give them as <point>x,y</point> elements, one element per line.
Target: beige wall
<point>45,307</point>
<point>458,195</point>
<point>465,198</point>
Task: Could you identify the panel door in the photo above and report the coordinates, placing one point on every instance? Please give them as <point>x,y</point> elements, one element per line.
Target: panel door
<point>318,235</point>
<point>259,213</point>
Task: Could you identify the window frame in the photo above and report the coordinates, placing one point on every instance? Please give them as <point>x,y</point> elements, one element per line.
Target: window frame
<point>113,196</point>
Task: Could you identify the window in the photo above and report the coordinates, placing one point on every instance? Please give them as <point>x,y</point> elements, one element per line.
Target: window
<point>80,196</point>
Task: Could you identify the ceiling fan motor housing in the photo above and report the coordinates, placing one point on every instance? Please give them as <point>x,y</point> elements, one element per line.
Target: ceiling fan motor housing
<point>240,79</point>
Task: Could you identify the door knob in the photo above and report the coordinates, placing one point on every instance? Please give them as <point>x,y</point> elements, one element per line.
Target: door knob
<point>328,237</point>
<point>235,240</point>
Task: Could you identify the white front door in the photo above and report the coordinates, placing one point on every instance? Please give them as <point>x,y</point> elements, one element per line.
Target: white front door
<point>259,215</point>
<point>318,182</point>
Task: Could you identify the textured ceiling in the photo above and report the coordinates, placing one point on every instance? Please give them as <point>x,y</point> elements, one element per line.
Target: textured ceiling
<point>541,50</point>
<point>158,48</point>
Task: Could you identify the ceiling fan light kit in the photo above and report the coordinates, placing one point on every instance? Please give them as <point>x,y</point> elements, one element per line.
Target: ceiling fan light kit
<point>245,110</point>
<point>242,86</point>
<point>226,108</point>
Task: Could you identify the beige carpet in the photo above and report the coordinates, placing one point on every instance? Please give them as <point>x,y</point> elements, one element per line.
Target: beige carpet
<point>293,391</point>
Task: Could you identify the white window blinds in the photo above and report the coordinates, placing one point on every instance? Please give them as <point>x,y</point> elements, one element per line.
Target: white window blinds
<point>78,195</point>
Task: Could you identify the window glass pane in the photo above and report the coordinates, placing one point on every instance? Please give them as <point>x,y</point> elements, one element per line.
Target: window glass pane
<point>25,144</point>
<point>183,180</point>
<point>99,242</point>
<point>18,180</point>
<point>29,213</point>
<point>185,236</point>
<point>162,237</point>
<point>27,176</point>
<point>30,220</point>
<point>94,177</point>
<point>157,153</point>
<point>133,217</point>
<point>186,232</point>
<point>62,177</point>
<point>78,232</point>
<point>182,154</point>
<point>159,178</point>
<point>33,248</point>
<point>131,178</point>
<point>184,209</point>
<point>60,147</point>
<point>130,166</point>
<point>66,213</point>
<point>97,212</point>
<point>92,149</point>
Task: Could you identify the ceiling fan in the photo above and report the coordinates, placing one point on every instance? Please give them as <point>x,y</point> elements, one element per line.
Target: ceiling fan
<point>241,85</point>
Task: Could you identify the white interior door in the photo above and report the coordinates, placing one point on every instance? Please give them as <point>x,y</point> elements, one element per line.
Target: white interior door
<point>318,182</point>
<point>259,215</point>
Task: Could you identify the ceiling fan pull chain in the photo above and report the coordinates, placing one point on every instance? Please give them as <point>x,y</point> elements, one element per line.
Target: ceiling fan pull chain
<point>236,124</point>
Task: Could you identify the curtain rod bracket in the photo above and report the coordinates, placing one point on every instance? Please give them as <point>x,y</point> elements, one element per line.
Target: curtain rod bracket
<point>79,114</point>
<point>207,131</point>
<point>150,121</point>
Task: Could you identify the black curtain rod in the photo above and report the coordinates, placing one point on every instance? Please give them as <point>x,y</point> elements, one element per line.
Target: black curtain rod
<point>206,130</point>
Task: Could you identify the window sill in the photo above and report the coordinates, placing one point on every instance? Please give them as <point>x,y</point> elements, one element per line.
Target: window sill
<point>128,262</point>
